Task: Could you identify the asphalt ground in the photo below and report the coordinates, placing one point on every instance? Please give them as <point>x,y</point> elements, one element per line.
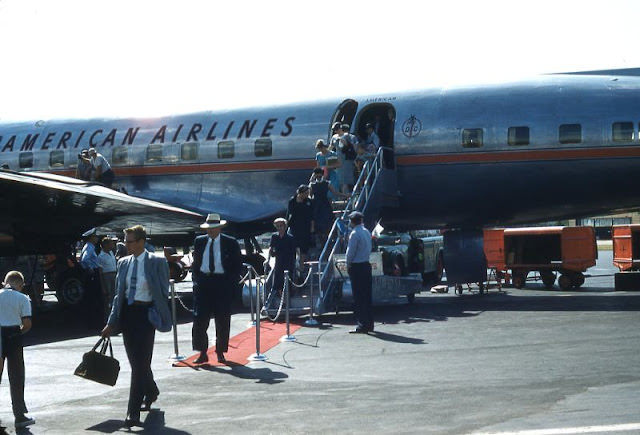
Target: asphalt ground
<point>530,361</point>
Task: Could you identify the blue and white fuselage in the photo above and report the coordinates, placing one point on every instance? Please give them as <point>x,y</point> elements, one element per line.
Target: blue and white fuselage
<point>543,149</point>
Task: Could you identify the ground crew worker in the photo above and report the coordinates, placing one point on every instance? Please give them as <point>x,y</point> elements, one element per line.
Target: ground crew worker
<point>359,269</point>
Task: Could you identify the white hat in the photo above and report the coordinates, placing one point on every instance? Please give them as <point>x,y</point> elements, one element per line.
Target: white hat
<point>89,233</point>
<point>213,221</point>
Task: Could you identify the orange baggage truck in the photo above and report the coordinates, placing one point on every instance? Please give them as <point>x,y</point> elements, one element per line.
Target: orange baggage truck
<point>626,246</point>
<point>568,251</point>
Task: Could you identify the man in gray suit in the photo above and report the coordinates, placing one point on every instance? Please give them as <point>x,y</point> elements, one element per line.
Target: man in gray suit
<point>142,290</point>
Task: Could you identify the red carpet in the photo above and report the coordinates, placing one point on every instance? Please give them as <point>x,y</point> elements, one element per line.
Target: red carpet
<point>243,345</point>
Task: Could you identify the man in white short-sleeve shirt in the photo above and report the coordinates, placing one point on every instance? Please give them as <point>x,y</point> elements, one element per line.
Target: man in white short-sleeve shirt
<point>15,320</point>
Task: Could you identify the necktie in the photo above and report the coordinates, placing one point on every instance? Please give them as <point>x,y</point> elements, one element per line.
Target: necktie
<point>132,283</point>
<point>212,265</point>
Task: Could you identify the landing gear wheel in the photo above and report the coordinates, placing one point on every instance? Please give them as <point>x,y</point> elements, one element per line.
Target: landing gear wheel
<point>548,278</point>
<point>458,289</point>
<point>565,282</point>
<point>411,297</point>
<point>481,287</point>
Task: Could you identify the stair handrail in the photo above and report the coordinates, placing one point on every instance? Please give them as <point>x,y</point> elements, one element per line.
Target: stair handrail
<point>357,202</point>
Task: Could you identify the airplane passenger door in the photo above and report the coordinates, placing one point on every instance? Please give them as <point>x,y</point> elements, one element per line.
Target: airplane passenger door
<point>344,114</point>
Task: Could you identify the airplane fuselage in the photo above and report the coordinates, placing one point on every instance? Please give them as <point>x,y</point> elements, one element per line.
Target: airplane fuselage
<point>544,149</point>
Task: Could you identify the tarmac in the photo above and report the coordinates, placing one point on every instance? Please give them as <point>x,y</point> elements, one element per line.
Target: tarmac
<point>529,361</point>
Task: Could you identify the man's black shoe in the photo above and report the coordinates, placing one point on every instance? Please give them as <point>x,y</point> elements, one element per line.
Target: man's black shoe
<point>358,331</point>
<point>24,421</point>
<point>221,358</point>
<point>203,358</point>
<point>131,422</point>
<point>146,406</point>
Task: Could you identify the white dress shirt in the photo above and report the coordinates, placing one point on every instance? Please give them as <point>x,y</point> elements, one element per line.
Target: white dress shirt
<point>217,257</point>
<point>143,293</point>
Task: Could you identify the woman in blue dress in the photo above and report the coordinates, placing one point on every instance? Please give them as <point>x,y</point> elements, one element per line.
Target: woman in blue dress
<point>328,162</point>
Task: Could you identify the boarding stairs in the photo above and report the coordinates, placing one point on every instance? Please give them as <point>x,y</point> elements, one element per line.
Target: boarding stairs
<point>375,188</point>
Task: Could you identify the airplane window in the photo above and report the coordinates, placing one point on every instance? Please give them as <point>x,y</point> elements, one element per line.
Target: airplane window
<point>56,159</point>
<point>120,156</point>
<point>622,131</point>
<point>518,136</point>
<point>189,151</point>
<point>154,153</point>
<point>263,147</point>
<point>570,133</point>
<point>226,149</point>
<point>26,160</point>
<point>472,138</point>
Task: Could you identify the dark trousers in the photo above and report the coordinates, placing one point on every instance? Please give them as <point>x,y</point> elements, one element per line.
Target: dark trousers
<point>278,274</point>
<point>12,353</point>
<point>93,301</point>
<point>211,296</point>
<point>361,281</point>
<point>138,336</point>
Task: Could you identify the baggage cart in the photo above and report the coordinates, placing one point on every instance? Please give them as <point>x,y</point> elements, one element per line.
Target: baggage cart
<point>547,251</point>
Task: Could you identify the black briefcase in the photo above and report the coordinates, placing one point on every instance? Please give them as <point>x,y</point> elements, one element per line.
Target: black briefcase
<point>99,367</point>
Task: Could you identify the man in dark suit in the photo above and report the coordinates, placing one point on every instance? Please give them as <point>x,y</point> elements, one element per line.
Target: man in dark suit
<point>215,271</point>
<point>141,295</point>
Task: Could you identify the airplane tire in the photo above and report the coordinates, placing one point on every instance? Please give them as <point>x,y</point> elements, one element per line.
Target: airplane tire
<point>411,297</point>
<point>70,291</point>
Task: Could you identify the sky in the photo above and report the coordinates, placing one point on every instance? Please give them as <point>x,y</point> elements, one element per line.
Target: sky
<point>121,58</point>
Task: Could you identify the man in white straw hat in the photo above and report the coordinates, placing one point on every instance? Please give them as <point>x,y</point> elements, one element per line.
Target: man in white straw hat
<point>215,271</point>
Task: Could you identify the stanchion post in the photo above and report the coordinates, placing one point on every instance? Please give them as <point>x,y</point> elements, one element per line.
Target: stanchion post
<point>176,356</point>
<point>311,321</point>
<point>257,356</point>
<point>288,336</point>
<point>252,322</point>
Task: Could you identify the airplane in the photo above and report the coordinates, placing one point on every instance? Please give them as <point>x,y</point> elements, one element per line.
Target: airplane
<point>464,157</point>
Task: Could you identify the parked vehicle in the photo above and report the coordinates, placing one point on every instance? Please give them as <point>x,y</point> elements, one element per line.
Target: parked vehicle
<point>414,252</point>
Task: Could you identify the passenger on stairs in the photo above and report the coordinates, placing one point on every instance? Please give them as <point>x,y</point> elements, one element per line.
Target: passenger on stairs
<point>301,225</point>
<point>322,208</point>
<point>328,162</point>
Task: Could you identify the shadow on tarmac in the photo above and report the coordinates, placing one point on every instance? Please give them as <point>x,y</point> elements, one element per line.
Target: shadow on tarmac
<point>262,375</point>
<point>154,423</point>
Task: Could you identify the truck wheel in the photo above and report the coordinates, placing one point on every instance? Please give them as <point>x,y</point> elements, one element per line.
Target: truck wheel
<point>565,282</point>
<point>577,280</point>
<point>70,292</point>
<point>519,278</point>
<point>548,278</point>
<point>175,271</point>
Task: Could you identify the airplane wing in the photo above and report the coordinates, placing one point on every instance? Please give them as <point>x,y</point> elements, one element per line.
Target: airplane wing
<point>42,211</point>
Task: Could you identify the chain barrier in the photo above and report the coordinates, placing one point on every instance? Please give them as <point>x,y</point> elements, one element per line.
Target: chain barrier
<point>306,280</point>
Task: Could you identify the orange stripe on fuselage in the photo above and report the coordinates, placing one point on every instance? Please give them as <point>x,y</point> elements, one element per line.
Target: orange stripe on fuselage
<point>521,156</point>
<point>405,160</point>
